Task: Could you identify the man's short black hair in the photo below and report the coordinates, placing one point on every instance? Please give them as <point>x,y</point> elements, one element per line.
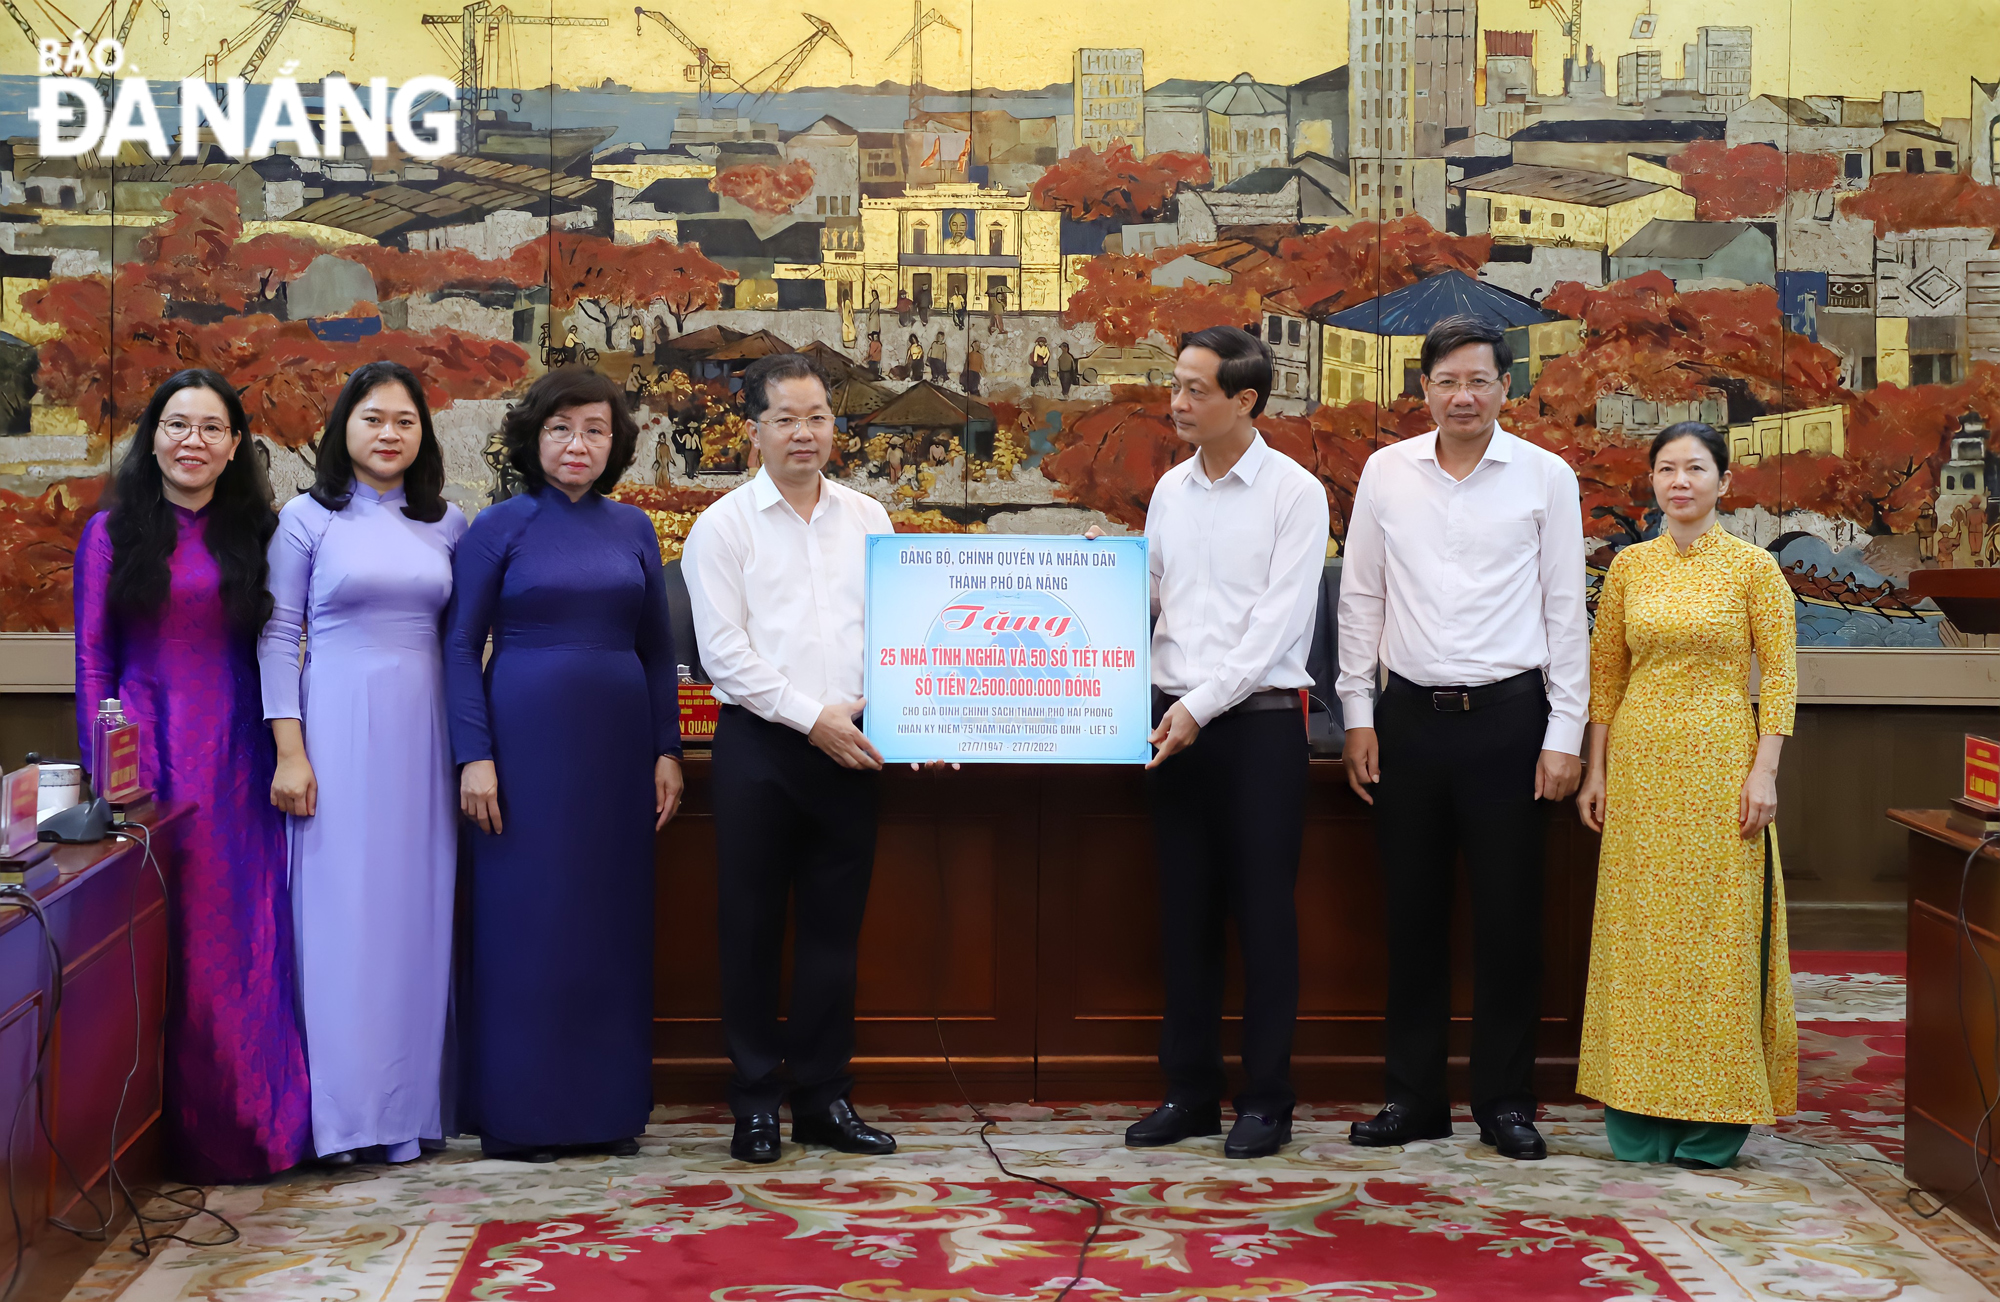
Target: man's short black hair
<point>1455,332</point>
<point>1245,361</point>
<point>760,375</point>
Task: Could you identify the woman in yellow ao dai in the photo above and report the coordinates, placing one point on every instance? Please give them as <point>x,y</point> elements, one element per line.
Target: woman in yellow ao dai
<point>1689,1036</point>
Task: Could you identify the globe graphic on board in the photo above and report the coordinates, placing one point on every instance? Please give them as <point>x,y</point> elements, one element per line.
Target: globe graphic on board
<point>1008,620</point>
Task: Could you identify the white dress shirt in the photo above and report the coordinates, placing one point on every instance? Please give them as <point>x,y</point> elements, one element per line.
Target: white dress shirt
<point>1236,565</point>
<point>778,601</point>
<point>1461,583</point>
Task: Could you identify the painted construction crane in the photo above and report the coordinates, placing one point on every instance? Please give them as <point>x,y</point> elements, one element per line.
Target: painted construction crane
<point>704,70</point>
<point>1569,18</point>
<point>914,38</point>
<point>480,23</point>
<point>124,33</point>
<point>277,15</point>
<point>21,21</point>
<point>786,66</point>
<point>110,8</point>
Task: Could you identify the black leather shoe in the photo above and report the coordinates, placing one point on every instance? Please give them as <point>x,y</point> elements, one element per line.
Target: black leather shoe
<point>1399,1123</point>
<point>756,1139</point>
<point>839,1128</point>
<point>620,1148</point>
<point>1695,1164</point>
<point>1254,1135</point>
<point>1514,1135</point>
<point>1170,1123</point>
<point>346,1157</point>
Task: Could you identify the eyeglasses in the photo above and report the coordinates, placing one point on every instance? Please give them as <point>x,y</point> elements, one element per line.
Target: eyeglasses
<point>1450,387</point>
<point>786,426</point>
<point>559,434</point>
<point>212,433</point>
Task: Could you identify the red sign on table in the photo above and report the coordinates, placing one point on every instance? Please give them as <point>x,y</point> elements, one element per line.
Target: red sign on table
<point>1982,770</point>
<point>698,713</point>
<point>121,762</point>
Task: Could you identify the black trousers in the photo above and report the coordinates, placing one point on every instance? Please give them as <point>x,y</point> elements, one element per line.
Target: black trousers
<point>1461,783</point>
<point>791,827</point>
<point>1228,818</point>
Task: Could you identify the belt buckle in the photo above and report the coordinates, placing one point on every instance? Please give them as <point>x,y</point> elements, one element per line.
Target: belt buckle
<point>1447,701</point>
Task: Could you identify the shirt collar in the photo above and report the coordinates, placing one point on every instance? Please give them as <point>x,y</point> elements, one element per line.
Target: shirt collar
<point>1246,466</point>
<point>1499,448</point>
<point>764,492</point>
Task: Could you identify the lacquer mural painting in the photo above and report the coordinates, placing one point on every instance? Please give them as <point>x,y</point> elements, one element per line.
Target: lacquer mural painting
<point>991,222</point>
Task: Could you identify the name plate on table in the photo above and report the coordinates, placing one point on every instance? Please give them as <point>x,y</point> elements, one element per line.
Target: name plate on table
<point>19,791</point>
<point>1008,649</point>
<point>121,763</point>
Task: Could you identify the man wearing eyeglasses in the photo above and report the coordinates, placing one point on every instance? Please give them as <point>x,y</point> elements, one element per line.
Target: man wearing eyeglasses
<point>775,578</point>
<point>1463,580</point>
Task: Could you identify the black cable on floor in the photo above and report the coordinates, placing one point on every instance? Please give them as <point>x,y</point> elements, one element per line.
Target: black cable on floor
<point>986,1124</point>
<point>175,1194</point>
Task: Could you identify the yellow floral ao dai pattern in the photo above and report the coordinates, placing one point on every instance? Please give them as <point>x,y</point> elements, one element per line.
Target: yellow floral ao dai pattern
<point>1671,1025</point>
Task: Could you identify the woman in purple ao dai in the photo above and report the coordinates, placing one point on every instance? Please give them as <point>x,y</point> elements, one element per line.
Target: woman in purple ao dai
<point>169,599</point>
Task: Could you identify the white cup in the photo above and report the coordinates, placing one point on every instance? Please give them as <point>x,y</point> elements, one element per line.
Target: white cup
<point>62,786</point>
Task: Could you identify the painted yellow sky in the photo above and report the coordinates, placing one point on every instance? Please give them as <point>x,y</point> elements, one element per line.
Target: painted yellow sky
<point>1854,47</point>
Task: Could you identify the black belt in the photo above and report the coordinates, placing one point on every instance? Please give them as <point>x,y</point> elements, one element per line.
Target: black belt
<point>1457,700</point>
<point>1271,698</point>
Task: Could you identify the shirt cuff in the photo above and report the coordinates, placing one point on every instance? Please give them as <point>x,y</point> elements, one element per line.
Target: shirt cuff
<point>1202,704</point>
<point>1357,711</point>
<point>1563,736</point>
<point>797,710</point>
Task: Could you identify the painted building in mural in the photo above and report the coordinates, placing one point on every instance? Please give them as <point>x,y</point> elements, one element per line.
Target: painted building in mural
<point>1800,254</point>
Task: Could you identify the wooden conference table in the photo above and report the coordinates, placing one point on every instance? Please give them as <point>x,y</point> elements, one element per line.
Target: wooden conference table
<point>1953,1062</point>
<point>1018,903</point>
<point>110,926</point>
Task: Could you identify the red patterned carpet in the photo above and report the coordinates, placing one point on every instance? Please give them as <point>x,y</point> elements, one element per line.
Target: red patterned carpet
<point>892,1240</point>
<point>1814,1212</point>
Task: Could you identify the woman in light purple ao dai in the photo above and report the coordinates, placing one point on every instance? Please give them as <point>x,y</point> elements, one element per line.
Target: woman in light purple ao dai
<point>361,570</point>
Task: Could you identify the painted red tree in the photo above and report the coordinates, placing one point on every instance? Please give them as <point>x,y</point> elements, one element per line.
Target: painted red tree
<point>38,537</point>
<point>1641,335</point>
<point>575,269</point>
<point>1331,269</point>
<point>1895,201</point>
<point>1110,458</point>
<point>1119,298</point>
<point>1748,180</point>
<point>106,363</point>
<point>1116,183</point>
<point>1338,268</point>
<point>765,189</point>
<point>1897,443</point>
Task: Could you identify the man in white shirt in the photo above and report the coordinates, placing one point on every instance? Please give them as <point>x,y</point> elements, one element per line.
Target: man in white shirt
<point>1463,579</point>
<point>775,578</point>
<point>1236,537</point>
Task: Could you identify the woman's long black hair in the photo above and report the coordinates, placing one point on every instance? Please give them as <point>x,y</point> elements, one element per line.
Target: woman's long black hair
<point>423,482</point>
<point>143,530</point>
